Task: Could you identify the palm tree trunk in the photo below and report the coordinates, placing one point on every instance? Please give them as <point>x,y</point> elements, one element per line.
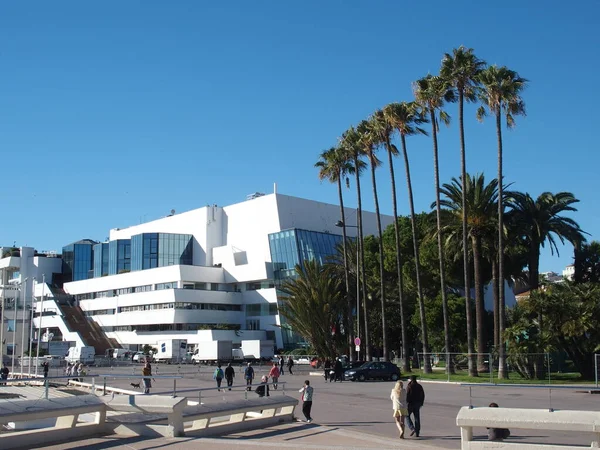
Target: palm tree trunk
<point>424,335</point>
<point>405,356</point>
<point>502,372</point>
<point>463,175</point>
<point>479,305</point>
<point>349,318</point>
<point>438,210</point>
<point>496,300</point>
<point>361,269</point>
<point>381,268</point>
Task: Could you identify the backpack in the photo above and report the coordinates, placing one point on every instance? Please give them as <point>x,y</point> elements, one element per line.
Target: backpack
<point>219,373</point>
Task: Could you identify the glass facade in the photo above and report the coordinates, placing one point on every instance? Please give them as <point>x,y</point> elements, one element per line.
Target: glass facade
<point>150,250</point>
<point>291,247</point>
<point>100,260</point>
<point>119,256</point>
<point>78,260</point>
<point>288,248</point>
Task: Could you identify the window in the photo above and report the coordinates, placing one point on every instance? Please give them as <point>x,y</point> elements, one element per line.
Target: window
<point>11,325</point>
<point>145,288</point>
<point>272,309</point>
<point>253,324</point>
<point>10,349</point>
<point>169,285</point>
<point>253,309</point>
<point>124,291</point>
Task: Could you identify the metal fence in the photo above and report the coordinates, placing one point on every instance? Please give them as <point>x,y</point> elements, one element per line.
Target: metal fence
<point>525,367</point>
<point>597,367</point>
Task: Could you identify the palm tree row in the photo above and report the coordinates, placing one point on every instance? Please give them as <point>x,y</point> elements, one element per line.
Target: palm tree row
<point>463,77</point>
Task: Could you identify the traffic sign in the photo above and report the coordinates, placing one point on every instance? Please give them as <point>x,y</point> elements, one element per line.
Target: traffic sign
<point>358,348</point>
<point>357,341</point>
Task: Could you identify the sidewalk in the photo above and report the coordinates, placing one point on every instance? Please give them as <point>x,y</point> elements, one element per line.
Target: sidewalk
<point>296,435</point>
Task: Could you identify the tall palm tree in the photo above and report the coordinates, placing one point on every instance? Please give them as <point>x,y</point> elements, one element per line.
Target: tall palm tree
<point>501,93</point>
<point>334,166</point>
<point>369,142</point>
<point>430,93</point>
<point>350,145</point>
<point>384,131</point>
<point>541,221</point>
<point>405,118</point>
<point>482,205</point>
<point>461,69</point>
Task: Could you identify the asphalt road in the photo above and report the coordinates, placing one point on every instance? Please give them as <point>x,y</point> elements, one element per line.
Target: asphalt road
<point>366,407</point>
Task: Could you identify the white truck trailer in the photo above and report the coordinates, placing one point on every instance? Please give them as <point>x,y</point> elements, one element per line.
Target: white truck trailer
<point>211,352</point>
<point>85,355</point>
<point>257,350</point>
<point>171,351</point>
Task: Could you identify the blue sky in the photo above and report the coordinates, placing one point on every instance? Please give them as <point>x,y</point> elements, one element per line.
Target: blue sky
<point>114,112</point>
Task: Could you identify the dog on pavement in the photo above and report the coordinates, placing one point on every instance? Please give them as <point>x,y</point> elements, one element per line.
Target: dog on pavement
<point>135,385</point>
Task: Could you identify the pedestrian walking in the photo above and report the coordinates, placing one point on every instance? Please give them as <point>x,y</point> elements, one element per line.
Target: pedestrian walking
<point>45,368</point>
<point>326,369</point>
<point>415,397</point>
<point>263,388</point>
<point>290,364</point>
<point>400,406</point>
<point>249,376</point>
<point>229,375</point>
<point>307,399</point>
<point>4,372</point>
<point>339,370</point>
<point>274,375</point>
<point>147,373</point>
<point>218,376</point>
<point>281,365</point>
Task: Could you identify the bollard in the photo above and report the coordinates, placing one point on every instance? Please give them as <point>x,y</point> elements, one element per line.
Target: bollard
<point>246,394</point>
<point>199,397</point>
<point>94,385</point>
<point>174,387</point>
<point>470,399</point>
<point>46,389</point>
<point>104,388</point>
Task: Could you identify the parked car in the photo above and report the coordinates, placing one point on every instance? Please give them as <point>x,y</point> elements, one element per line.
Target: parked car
<point>303,360</point>
<point>374,370</point>
<point>141,357</point>
<point>347,365</point>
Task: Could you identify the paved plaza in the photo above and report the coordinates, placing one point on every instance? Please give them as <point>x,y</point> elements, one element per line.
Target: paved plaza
<point>350,415</point>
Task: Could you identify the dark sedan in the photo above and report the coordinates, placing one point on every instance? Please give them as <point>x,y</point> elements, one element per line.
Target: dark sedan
<point>374,370</point>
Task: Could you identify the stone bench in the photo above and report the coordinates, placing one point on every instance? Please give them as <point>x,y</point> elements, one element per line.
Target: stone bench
<point>525,419</point>
<point>157,415</point>
<point>238,415</point>
<point>59,418</point>
<point>141,413</point>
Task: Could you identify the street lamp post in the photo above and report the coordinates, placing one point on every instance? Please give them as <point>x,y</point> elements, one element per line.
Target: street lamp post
<point>39,333</point>
<point>341,224</point>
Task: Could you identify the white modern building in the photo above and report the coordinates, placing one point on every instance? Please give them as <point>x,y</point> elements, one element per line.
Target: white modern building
<point>200,275</point>
<point>22,270</point>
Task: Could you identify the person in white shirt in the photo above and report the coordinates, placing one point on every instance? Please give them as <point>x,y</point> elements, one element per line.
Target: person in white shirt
<point>400,406</point>
<point>307,395</point>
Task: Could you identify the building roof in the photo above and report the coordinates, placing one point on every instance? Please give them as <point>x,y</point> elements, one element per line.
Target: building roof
<point>83,241</point>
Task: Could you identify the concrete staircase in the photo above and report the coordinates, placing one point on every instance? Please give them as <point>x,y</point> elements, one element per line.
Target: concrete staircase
<point>90,332</point>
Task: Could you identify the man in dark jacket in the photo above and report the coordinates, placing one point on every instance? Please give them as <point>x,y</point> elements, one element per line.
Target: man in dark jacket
<point>229,375</point>
<point>415,397</point>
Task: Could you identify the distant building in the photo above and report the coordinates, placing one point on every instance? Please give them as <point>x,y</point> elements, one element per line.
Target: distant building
<point>569,272</point>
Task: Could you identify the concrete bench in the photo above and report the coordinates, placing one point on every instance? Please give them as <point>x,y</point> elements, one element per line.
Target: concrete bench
<point>59,418</point>
<point>526,419</point>
<point>103,388</point>
<point>144,409</point>
<point>238,415</point>
<point>157,415</point>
